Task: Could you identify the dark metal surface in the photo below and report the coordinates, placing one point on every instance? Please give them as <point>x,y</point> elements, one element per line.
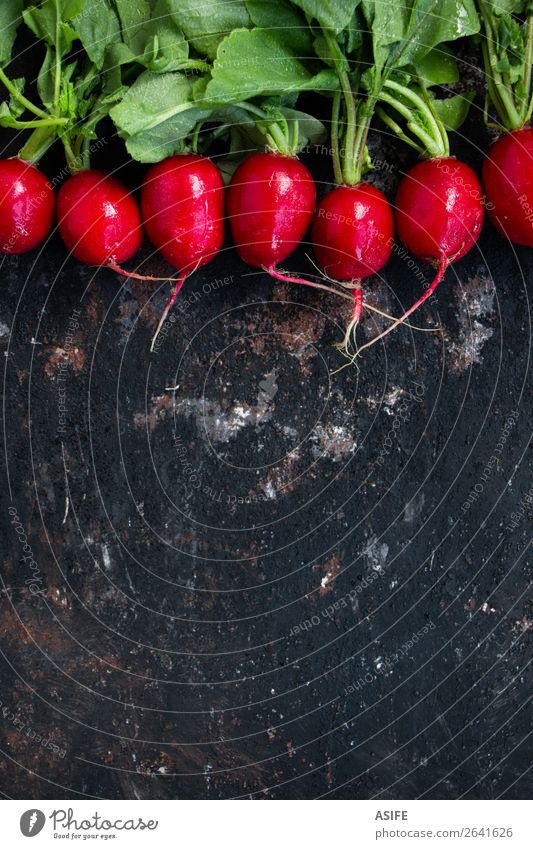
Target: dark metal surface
<point>271,580</point>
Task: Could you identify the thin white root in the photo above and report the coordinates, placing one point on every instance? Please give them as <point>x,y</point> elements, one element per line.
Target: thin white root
<point>407,324</point>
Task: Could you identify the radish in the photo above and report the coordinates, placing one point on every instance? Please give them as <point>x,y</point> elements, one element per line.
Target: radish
<point>508,182</point>
<point>439,210</point>
<point>182,203</point>
<point>26,206</point>
<point>507,44</point>
<point>98,219</point>
<point>352,236</point>
<point>353,228</point>
<point>383,71</point>
<point>183,206</point>
<point>439,215</point>
<point>271,199</point>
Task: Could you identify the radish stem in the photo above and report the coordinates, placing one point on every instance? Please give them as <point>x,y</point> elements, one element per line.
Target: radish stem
<point>17,95</point>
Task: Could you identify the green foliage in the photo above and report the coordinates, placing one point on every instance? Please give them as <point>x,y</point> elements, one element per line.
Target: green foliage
<point>333,15</point>
<point>452,111</point>
<point>255,62</point>
<point>206,23</point>
<point>403,33</point>
<point>285,21</point>
<point>10,19</point>
<point>156,115</point>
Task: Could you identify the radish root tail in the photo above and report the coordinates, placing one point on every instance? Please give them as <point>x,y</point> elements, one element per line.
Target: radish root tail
<point>175,292</point>
<point>278,274</point>
<point>348,347</point>
<point>132,274</point>
<point>443,265</point>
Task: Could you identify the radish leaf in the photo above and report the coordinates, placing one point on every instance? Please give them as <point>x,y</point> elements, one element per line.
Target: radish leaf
<point>404,33</point>
<point>438,67</point>
<point>206,23</point>
<point>42,21</point>
<point>285,21</point>
<point>10,18</point>
<point>453,110</point>
<point>331,14</point>
<point>156,115</point>
<point>97,26</point>
<point>254,62</point>
<point>134,18</point>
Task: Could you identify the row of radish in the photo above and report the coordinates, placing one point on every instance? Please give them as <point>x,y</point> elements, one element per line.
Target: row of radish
<point>175,78</point>
<point>271,203</point>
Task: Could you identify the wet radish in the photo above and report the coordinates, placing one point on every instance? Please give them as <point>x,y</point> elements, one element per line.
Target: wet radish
<point>508,183</point>
<point>439,213</point>
<point>352,235</point>
<point>26,206</point>
<point>439,210</point>
<point>507,43</point>
<point>271,199</point>
<point>182,203</point>
<point>99,220</point>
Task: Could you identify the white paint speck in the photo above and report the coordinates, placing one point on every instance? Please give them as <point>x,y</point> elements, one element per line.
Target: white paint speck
<point>269,491</point>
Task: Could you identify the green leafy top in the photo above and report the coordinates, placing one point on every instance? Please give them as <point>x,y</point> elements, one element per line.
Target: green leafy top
<point>403,33</point>
<point>163,69</point>
<point>10,19</point>
<point>398,52</point>
<point>507,45</point>
<point>132,60</point>
<point>257,62</point>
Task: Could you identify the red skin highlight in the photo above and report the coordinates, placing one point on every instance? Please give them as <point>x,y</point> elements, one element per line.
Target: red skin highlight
<point>182,203</point>
<point>508,182</point>
<point>439,209</point>
<point>271,199</point>
<point>353,232</point>
<point>98,218</point>
<point>26,206</point>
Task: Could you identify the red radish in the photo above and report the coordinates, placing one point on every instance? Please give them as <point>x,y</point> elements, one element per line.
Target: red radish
<point>99,220</point>
<point>507,41</point>
<point>26,206</point>
<point>271,199</point>
<point>439,216</point>
<point>439,209</point>
<point>353,232</point>
<point>182,203</point>
<point>353,235</point>
<point>508,183</point>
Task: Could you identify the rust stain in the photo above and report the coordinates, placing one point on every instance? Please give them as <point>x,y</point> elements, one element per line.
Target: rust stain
<point>75,358</point>
<point>330,569</point>
<point>156,414</point>
<point>279,479</point>
<point>12,630</point>
<point>93,310</point>
<point>142,293</point>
